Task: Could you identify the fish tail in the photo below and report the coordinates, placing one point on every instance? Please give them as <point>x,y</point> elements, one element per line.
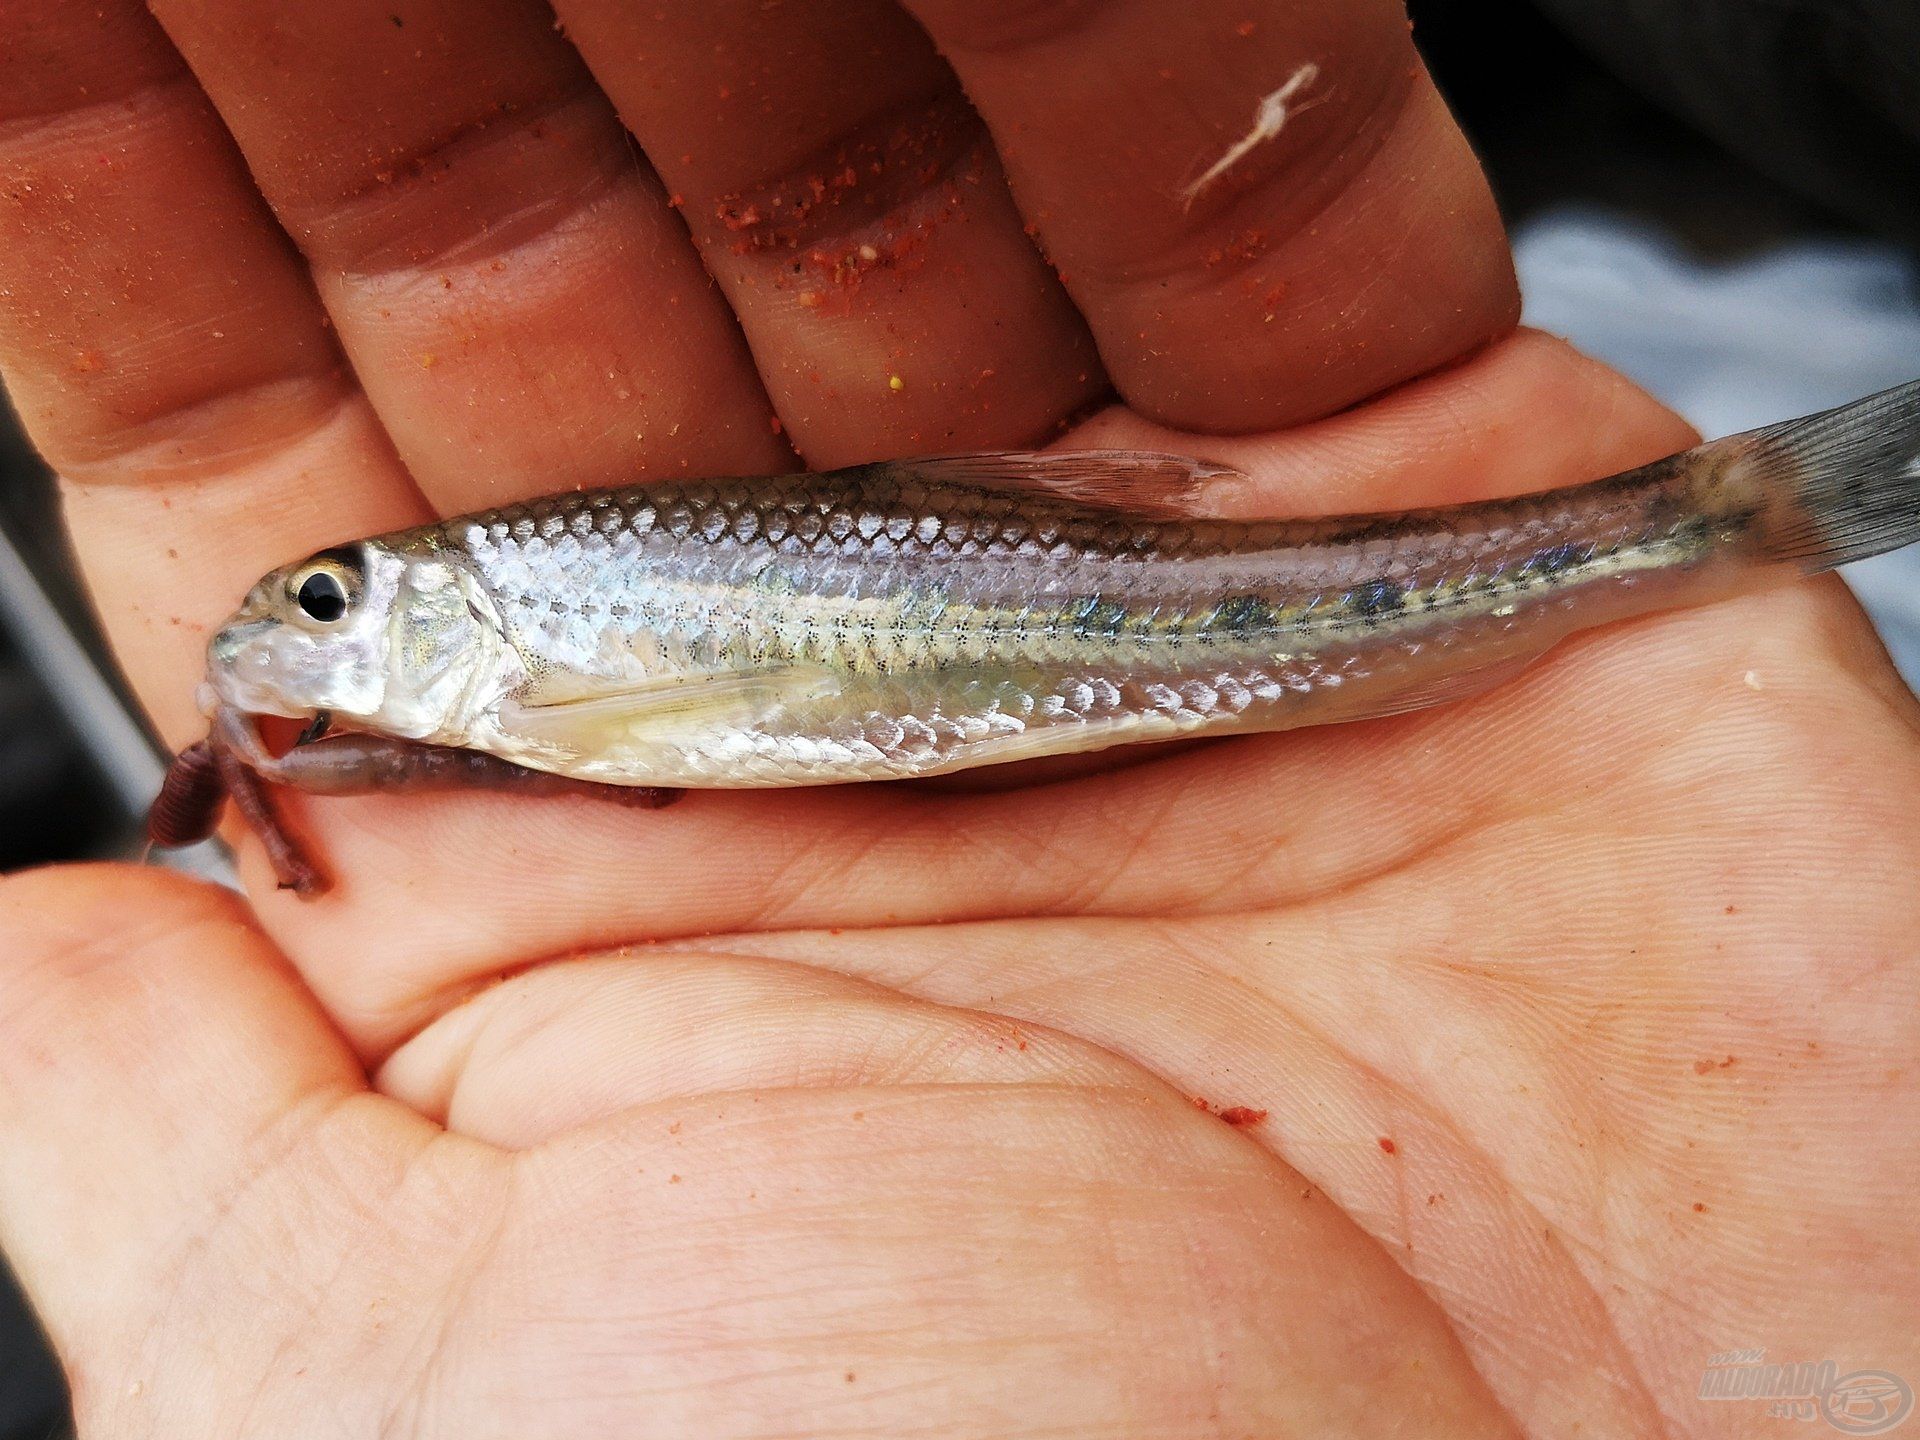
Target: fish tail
<point>1835,487</point>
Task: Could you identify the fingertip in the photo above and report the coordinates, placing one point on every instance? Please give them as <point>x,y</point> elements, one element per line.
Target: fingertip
<point>83,949</point>
<point>57,905</point>
<point>150,1037</point>
<point>1265,220</point>
<point>1289,314</point>
<point>84,879</point>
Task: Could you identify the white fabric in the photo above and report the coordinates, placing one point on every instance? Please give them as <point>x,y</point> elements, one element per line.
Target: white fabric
<point>1785,332</point>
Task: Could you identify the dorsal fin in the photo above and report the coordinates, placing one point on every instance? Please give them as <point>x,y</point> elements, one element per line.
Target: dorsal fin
<point>1138,482</point>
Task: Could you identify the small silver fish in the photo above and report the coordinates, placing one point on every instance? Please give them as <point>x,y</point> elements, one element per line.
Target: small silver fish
<point>919,617</point>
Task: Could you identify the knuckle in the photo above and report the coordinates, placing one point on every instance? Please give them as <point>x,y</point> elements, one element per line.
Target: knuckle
<point>988,26</point>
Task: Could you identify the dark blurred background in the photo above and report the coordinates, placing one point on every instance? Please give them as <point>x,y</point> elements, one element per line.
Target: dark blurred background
<point>1721,197</point>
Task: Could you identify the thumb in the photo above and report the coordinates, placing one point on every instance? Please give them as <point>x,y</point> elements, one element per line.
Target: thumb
<point>157,1058</point>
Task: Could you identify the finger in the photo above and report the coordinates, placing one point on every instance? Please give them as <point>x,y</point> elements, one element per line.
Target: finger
<point>846,198</point>
<point>1523,415</point>
<point>1097,1262</point>
<point>555,877</point>
<point>1263,209</point>
<point>158,1063</point>
<point>673,1070</point>
<point>563,1046</point>
<point>163,343</point>
<point>520,302</point>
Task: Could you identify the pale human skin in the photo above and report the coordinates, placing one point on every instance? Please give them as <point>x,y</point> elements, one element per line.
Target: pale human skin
<point>1584,1017</point>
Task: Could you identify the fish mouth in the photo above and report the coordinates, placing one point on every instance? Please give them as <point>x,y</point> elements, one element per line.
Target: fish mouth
<point>240,672</point>
<point>228,688</point>
<point>239,731</point>
<point>242,731</point>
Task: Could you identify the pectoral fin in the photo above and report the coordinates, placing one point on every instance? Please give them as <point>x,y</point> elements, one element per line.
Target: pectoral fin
<point>585,718</point>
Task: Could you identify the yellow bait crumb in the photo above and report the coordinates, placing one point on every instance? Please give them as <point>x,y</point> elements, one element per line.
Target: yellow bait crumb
<point>894,382</point>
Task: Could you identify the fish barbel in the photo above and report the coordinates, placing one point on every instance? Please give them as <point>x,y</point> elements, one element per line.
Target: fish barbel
<point>917,617</point>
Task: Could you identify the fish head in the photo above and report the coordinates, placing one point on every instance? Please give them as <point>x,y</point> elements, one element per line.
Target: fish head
<point>397,641</point>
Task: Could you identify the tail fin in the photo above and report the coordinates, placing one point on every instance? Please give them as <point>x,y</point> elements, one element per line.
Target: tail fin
<point>1839,486</point>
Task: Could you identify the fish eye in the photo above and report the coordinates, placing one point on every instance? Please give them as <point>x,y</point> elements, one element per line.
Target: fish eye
<point>323,597</point>
<point>323,591</point>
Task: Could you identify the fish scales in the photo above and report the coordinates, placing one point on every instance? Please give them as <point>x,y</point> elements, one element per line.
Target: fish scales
<point>955,619</point>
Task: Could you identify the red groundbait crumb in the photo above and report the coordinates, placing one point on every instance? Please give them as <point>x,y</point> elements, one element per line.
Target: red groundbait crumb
<point>1238,1116</point>
<point>872,204</point>
<point>1388,1145</point>
<point>1248,244</point>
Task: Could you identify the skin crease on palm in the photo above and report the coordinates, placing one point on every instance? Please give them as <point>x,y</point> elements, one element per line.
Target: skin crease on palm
<point>1582,1017</point>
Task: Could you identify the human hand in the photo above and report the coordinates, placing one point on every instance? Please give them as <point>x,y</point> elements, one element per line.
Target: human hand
<point>1569,1031</point>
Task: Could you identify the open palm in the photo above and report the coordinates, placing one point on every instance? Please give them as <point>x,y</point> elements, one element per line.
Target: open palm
<point>1479,1072</point>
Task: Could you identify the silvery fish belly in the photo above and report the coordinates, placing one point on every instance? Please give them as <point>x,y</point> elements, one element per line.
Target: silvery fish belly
<point>918,617</point>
